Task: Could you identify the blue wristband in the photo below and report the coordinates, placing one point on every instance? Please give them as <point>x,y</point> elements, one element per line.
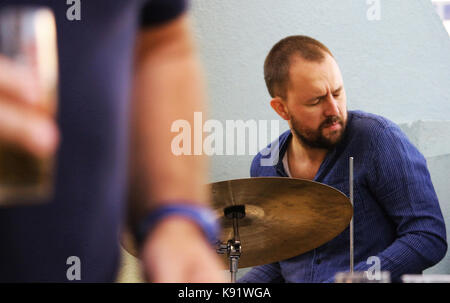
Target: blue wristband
<point>202,216</point>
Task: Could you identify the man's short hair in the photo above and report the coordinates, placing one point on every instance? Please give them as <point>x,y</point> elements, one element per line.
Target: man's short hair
<point>277,63</point>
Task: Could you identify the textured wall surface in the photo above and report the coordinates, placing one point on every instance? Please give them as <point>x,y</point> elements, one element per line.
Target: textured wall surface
<point>398,67</point>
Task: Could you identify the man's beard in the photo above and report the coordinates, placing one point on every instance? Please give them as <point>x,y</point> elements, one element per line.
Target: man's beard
<point>315,138</point>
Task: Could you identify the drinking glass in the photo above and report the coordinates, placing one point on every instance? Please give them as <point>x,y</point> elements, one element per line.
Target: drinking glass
<point>28,39</point>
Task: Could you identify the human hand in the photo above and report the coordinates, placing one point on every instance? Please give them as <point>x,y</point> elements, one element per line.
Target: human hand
<point>23,121</point>
<point>176,251</point>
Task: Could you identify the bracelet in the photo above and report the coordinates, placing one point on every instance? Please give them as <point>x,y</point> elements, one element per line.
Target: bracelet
<point>203,216</point>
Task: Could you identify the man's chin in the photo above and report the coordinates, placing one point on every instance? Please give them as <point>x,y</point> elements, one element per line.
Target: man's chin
<point>322,140</point>
<point>334,138</point>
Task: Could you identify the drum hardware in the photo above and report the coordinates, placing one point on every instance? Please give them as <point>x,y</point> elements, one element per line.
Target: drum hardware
<point>351,221</point>
<point>430,278</point>
<point>233,247</point>
<point>270,219</point>
<point>275,218</point>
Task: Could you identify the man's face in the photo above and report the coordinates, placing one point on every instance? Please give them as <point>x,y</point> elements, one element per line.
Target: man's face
<point>316,103</point>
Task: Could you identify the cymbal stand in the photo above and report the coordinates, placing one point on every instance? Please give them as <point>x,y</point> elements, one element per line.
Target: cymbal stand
<point>351,221</point>
<point>233,246</point>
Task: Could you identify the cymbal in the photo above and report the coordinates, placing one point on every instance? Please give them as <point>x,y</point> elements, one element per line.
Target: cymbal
<point>284,217</point>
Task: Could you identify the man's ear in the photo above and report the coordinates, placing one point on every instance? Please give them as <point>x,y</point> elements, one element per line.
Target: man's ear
<point>280,107</point>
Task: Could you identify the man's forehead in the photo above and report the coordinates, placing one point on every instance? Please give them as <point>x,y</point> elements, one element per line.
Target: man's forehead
<point>314,76</point>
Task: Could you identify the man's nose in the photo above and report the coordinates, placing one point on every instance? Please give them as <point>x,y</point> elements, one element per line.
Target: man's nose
<point>331,107</point>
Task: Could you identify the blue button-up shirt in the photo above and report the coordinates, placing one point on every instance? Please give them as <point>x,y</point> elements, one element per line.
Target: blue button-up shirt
<point>396,211</point>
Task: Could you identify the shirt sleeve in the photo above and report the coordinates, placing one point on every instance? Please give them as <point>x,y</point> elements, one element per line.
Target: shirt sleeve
<point>255,166</point>
<point>157,12</point>
<point>268,273</point>
<point>402,185</point>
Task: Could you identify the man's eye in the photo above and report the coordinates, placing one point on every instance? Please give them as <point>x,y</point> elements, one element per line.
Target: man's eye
<point>336,95</point>
<point>315,102</point>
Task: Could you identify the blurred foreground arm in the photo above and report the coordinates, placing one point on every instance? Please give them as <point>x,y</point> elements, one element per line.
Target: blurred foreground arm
<point>169,86</point>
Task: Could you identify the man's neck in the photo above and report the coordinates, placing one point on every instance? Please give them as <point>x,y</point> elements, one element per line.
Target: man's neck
<point>300,152</point>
